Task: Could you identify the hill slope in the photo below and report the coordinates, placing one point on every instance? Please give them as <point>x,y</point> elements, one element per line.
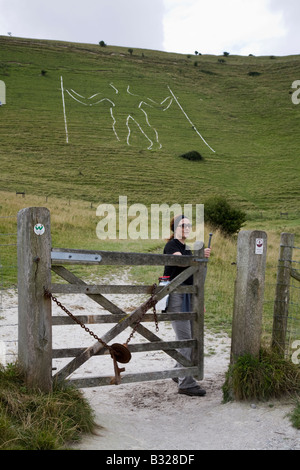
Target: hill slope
<point>118,104</point>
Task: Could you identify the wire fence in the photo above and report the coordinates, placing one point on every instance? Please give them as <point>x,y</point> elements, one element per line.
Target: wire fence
<point>291,303</point>
<point>293,330</point>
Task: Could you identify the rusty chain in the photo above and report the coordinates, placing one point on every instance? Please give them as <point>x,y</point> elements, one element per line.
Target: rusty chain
<point>51,296</point>
<point>151,303</point>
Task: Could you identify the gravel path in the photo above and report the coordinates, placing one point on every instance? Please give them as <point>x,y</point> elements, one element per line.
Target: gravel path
<point>151,415</point>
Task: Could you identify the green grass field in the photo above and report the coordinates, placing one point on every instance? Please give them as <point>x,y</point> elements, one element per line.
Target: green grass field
<point>250,122</point>
<point>241,106</point>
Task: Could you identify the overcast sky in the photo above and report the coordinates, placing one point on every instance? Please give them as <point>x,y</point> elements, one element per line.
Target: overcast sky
<point>259,27</point>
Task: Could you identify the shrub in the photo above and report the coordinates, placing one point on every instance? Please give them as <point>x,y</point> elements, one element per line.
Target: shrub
<point>192,155</point>
<point>102,44</point>
<point>220,214</point>
<point>267,376</point>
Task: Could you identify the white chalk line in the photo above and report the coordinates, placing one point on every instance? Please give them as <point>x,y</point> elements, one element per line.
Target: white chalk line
<point>89,104</point>
<point>116,90</point>
<point>168,98</point>
<point>194,127</point>
<point>113,124</point>
<point>147,121</point>
<point>64,109</point>
<point>129,116</point>
<point>129,131</point>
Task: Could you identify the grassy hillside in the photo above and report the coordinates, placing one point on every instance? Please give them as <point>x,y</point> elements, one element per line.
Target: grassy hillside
<point>248,120</point>
<point>241,107</point>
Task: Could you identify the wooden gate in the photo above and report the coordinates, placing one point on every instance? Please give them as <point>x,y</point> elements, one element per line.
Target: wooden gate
<point>36,260</point>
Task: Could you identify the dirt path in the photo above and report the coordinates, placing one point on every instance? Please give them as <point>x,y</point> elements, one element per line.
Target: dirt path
<point>151,415</point>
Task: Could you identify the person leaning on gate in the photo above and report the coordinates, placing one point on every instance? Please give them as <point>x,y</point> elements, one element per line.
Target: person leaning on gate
<point>180,226</point>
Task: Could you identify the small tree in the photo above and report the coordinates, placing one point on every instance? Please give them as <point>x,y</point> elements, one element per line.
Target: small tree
<point>102,44</point>
<point>220,214</point>
<point>130,51</point>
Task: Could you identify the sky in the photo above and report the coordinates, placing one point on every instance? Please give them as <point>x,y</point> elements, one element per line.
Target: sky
<point>258,27</point>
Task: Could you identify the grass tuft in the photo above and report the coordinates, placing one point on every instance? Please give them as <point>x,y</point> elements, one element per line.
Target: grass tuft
<point>32,420</point>
<point>261,378</point>
<point>295,415</point>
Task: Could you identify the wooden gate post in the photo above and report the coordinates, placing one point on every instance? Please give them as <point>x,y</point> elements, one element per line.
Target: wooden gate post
<point>249,293</point>
<point>198,307</point>
<point>282,295</point>
<point>34,309</point>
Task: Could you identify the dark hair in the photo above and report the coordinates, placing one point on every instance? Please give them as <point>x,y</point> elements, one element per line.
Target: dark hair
<point>174,223</point>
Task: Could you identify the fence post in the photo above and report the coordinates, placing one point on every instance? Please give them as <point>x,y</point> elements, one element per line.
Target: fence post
<point>249,293</point>
<point>282,294</point>
<point>198,307</point>
<point>34,310</point>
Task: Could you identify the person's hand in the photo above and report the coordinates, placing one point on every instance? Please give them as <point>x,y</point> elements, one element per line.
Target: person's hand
<point>207,252</point>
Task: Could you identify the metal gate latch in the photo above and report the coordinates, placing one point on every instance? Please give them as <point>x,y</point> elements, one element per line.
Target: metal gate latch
<point>119,353</point>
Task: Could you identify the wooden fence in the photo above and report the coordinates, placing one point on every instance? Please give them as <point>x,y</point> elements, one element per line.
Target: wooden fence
<point>36,260</point>
<point>285,272</point>
<point>248,293</point>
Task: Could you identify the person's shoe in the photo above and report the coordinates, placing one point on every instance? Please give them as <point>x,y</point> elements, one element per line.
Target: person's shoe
<point>175,379</point>
<point>193,391</point>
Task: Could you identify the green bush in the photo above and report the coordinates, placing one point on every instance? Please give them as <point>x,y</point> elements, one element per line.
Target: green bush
<point>261,378</point>
<point>254,74</point>
<point>192,155</point>
<point>220,214</point>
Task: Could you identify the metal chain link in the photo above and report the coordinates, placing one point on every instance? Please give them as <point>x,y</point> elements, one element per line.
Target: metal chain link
<point>51,296</point>
<point>152,303</point>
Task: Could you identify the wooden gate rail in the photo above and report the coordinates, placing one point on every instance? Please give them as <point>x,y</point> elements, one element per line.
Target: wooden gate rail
<point>36,260</point>
<point>128,320</point>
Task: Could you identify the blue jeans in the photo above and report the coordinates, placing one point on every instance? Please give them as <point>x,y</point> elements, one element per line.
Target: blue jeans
<point>183,330</point>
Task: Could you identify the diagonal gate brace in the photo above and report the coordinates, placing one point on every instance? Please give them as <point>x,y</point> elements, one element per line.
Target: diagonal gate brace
<point>97,347</point>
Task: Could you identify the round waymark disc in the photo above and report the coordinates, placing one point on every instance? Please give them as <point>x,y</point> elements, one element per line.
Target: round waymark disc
<point>121,353</point>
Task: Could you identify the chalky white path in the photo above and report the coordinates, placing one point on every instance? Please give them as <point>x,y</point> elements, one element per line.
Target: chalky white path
<point>151,415</point>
